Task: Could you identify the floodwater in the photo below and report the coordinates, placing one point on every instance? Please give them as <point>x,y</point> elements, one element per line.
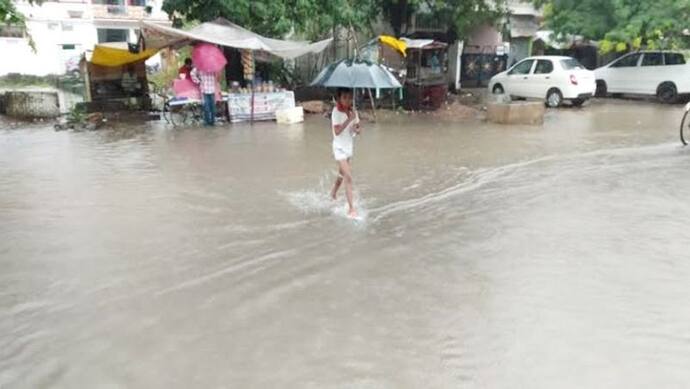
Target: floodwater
<point>487,257</point>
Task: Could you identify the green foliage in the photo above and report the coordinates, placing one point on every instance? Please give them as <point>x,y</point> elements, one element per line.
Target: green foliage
<point>621,25</point>
<point>10,16</point>
<point>460,16</point>
<point>318,18</point>
<point>76,115</point>
<point>278,18</point>
<point>465,15</point>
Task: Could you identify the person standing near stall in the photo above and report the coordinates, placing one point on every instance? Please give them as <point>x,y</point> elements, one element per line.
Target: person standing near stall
<point>207,85</point>
<point>186,69</point>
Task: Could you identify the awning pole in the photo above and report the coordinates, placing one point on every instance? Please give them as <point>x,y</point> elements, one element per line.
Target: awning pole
<point>251,118</point>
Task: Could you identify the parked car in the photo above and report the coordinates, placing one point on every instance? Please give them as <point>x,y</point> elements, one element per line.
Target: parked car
<point>655,73</point>
<point>552,78</point>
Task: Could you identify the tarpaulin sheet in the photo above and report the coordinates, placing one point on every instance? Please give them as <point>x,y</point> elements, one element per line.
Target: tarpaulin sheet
<point>394,43</point>
<point>118,54</point>
<point>225,33</point>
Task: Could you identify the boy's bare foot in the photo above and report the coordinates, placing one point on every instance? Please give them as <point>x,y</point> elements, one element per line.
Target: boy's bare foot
<point>352,214</point>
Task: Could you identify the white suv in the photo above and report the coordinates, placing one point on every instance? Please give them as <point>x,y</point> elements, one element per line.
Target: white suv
<point>552,78</point>
<point>656,73</point>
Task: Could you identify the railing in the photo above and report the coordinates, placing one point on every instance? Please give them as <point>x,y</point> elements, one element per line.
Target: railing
<point>426,23</point>
<point>135,12</point>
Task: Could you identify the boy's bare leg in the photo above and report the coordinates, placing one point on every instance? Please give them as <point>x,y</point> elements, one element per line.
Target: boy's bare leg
<point>338,182</point>
<point>346,171</point>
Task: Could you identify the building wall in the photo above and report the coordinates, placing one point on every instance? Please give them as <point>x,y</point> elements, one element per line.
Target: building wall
<point>62,31</point>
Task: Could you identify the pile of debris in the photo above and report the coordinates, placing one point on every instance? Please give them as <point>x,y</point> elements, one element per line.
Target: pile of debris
<point>78,120</point>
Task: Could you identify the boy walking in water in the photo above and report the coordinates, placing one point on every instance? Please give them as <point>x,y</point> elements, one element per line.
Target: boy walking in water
<point>345,125</point>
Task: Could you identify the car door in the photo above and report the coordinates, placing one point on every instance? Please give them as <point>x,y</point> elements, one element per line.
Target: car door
<point>650,74</point>
<point>622,72</point>
<point>517,78</point>
<point>541,79</point>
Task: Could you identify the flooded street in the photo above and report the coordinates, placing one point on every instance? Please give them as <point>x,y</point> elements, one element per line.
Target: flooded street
<point>488,256</point>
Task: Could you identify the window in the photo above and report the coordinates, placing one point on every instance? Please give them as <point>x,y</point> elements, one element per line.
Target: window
<point>106,35</point>
<point>543,67</point>
<point>627,61</point>
<point>571,64</point>
<point>674,59</point>
<point>652,59</point>
<point>75,14</point>
<point>522,68</point>
<point>11,31</point>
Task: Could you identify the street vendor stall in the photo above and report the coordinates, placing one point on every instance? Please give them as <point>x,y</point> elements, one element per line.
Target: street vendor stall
<point>116,78</point>
<point>426,82</point>
<point>259,101</point>
<point>419,64</point>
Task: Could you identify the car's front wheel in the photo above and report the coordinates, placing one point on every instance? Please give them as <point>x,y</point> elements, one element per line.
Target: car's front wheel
<point>498,89</point>
<point>554,98</point>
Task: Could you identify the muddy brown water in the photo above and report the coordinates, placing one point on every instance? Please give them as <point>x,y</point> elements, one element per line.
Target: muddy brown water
<point>487,257</point>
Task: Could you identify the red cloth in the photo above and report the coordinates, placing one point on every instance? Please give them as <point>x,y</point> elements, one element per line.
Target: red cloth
<point>186,70</point>
<point>187,88</point>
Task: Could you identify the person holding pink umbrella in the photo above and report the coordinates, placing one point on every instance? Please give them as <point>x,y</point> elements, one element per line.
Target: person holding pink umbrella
<point>207,86</point>
<point>208,61</point>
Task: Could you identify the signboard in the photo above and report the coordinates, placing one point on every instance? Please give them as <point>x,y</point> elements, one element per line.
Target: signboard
<point>265,105</point>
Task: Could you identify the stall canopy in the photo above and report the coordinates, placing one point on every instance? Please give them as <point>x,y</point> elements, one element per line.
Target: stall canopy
<point>422,43</point>
<point>224,33</point>
<point>396,44</point>
<point>118,54</point>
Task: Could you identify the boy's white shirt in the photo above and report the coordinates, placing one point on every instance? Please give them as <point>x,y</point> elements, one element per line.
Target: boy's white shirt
<point>343,141</point>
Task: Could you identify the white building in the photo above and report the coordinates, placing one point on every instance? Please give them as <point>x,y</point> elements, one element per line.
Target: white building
<point>63,30</point>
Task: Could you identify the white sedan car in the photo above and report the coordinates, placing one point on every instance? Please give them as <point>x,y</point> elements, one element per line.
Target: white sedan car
<point>654,73</point>
<point>552,78</point>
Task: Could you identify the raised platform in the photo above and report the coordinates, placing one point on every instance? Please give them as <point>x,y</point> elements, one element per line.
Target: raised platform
<point>521,112</point>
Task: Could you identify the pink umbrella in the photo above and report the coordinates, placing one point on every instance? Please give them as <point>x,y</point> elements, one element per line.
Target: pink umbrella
<point>208,58</point>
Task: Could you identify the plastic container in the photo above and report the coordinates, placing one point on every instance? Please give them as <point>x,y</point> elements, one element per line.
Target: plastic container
<point>290,115</point>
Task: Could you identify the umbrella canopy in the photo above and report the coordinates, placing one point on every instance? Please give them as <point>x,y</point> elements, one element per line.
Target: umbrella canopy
<point>349,73</point>
<point>208,58</point>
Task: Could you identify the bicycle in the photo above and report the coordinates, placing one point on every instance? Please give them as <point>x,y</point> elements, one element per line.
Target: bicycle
<point>685,126</point>
<point>183,112</point>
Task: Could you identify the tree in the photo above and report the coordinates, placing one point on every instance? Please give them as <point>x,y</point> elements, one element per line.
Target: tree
<point>277,18</point>
<point>11,17</point>
<point>460,16</point>
<point>620,24</point>
<point>9,14</point>
<point>316,18</point>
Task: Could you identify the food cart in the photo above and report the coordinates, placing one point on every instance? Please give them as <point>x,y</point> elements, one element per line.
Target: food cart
<point>426,81</point>
<point>116,78</point>
<point>421,65</point>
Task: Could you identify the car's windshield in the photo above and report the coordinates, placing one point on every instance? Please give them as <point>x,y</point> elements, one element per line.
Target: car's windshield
<point>571,64</point>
